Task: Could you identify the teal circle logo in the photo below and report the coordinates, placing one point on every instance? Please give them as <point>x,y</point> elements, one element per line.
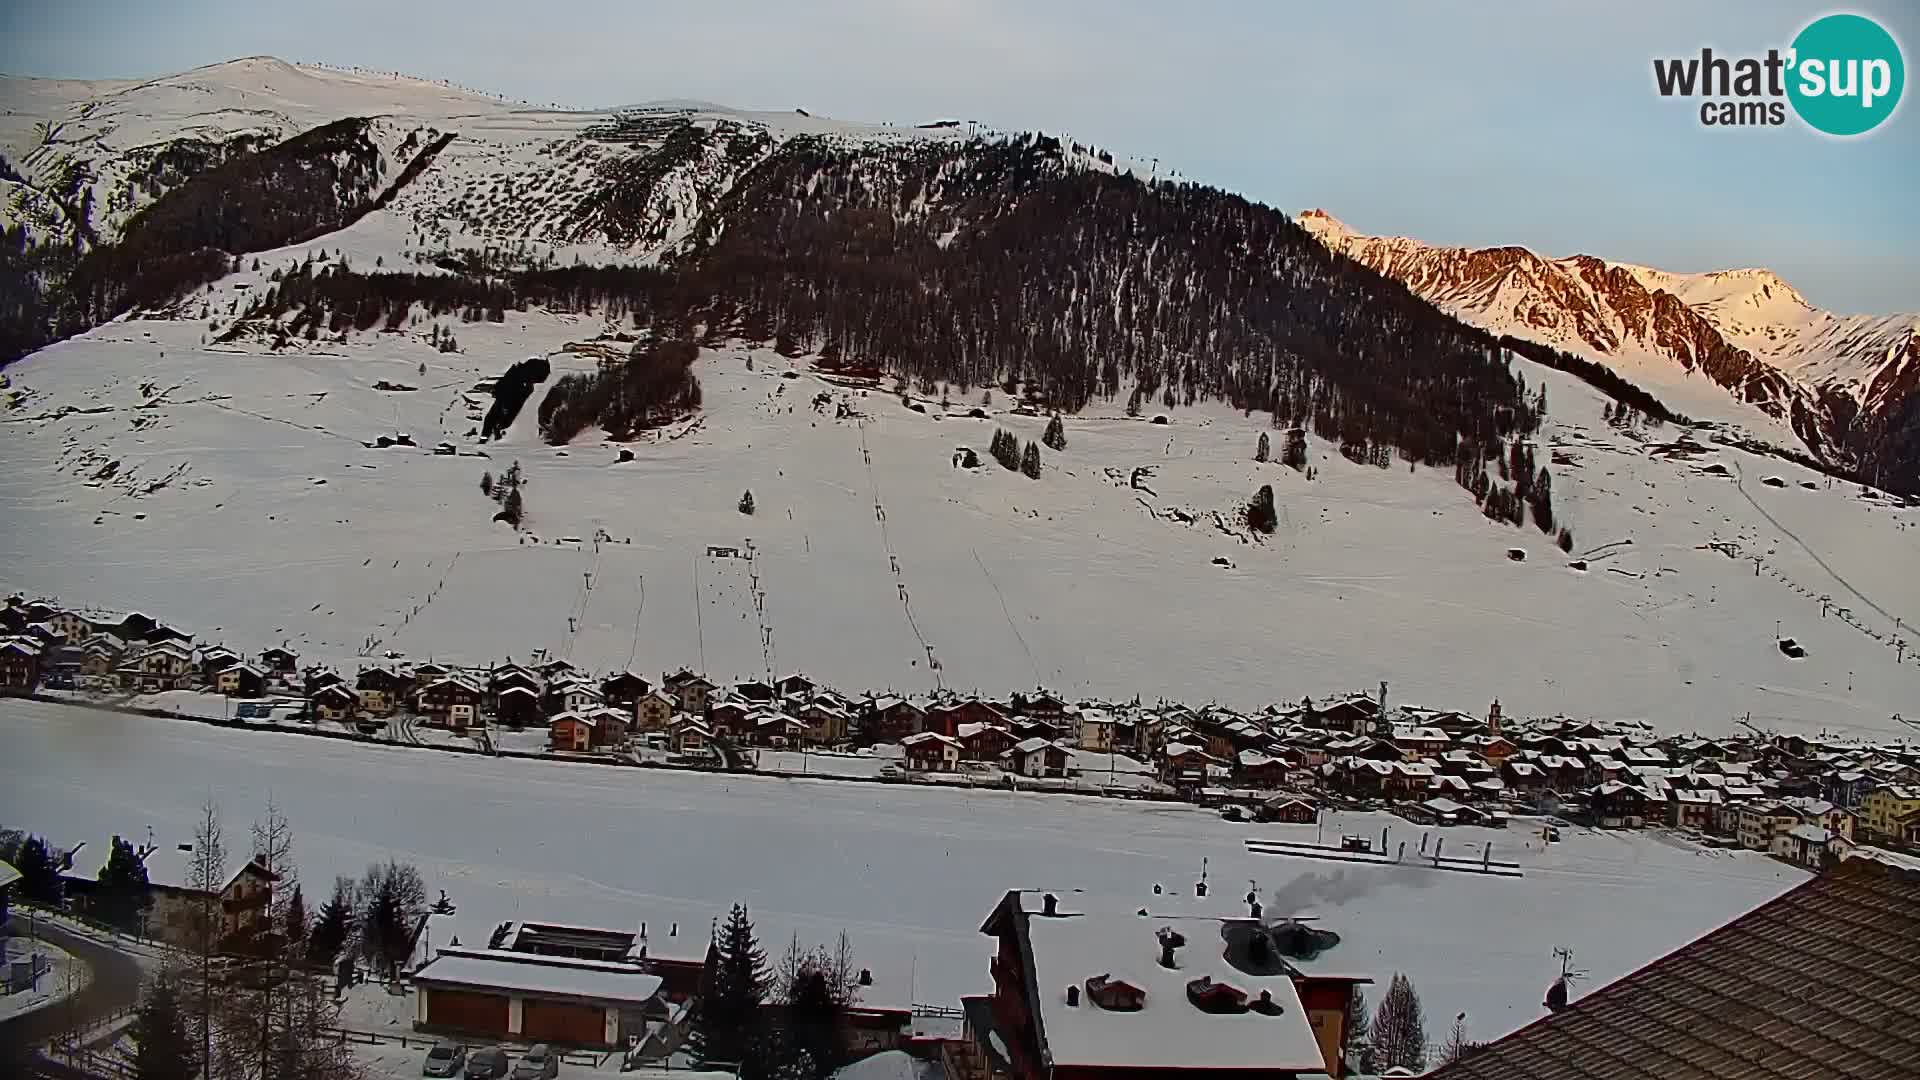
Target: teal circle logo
<point>1847,75</point>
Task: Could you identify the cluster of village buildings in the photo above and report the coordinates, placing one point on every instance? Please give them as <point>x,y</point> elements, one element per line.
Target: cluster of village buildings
<point>1807,800</point>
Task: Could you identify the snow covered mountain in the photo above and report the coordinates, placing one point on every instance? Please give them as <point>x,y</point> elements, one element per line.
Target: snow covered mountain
<point>1847,386</point>
<point>248,280</point>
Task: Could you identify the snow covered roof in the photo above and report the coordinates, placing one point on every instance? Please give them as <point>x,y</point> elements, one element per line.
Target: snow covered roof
<point>1812,834</point>
<point>544,976</point>
<point>1168,1031</point>
<point>8,875</point>
<point>925,737</point>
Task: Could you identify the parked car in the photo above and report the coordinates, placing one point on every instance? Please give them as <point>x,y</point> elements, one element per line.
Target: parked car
<point>539,1063</point>
<point>445,1059</point>
<point>488,1064</point>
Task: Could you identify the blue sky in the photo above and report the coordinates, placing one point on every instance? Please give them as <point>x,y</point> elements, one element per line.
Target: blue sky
<point>1533,123</point>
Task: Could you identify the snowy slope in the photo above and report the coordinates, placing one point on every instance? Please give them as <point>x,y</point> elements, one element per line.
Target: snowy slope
<point>907,872</point>
<point>1736,346</point>
<point>233,490</point>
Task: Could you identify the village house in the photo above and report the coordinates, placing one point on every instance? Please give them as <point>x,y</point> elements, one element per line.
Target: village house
<point>730,718</point>
<point>518,707</point>
<point>280,660</point>
<point>239,905</point>
<point>571,731</point>
<point>240,680</point>
<point>794,685</point>
<point>693,691</point>
<point>1287,809</point>
<point>1421,743</point>
<point>984,742</point>
<point>425,675</point>
<point>624,691</point>
<point>20,660</point>
<point>449,701</point>
<point>1759,821</point>
<point>655,710</point>
<point>217,658</point>
<point>1615,805</point>
<point>1808,845</point>
<point>1846,787</point>
<point>100,655</point>
<point>71,625</point>
<point>380,690</point>
<point>1884,807</point>
<point>557,669</point>
<point>771,727</point>
<point>1165,996</point>
<point>930,751</point>
<point>1693,808</point>
<point>891,719</point>
<point>826,724</point>
<point>1096,731</point>
<point>1041,705</point>
<point>1261,770</point>
<point>689,737</point>
<point>512,677</point>
<point>334,702</point>
<point>612,727</point>
<point>165,665</point>
<point>1037,757</point>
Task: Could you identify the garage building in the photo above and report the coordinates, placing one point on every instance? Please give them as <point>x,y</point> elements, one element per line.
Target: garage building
<point>522,997</point>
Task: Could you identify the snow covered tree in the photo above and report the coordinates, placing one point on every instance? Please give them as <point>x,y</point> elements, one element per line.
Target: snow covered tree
<point>1056,436</point>
<point>1261,450</point>
<point>162,1050</point>
<point>333,927</point>
<point>1030,461</point>
<point>1359,1029</point>
<point>1399,1030</point>
<point>746,504</point>
<point>1261,517</point>
<point>123,895</point>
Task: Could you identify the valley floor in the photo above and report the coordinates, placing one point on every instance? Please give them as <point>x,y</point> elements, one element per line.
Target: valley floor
<point>908,872</point>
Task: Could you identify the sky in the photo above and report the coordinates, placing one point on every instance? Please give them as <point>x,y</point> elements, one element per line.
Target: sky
<point>1483,123</point>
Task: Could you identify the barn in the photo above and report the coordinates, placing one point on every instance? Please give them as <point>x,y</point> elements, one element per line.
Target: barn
<point>523,997</point>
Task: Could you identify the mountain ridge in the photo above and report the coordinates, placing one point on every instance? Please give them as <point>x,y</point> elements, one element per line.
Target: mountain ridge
<point>1846,386</point>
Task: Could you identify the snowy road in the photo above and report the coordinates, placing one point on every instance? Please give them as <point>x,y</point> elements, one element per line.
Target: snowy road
<point>908,872</point>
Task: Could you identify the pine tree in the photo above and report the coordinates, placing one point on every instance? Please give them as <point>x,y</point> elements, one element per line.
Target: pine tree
<point>123,895</point>
<point>1261,516</point>
<point>746,504</point>
<point>512,510</point>
<point>1260,451</point>
<point>162,1050</point>
<point>296,923</point>
<point>1030,461</point>
<point>1399,1030</point>
<point>486,484</point>
<point>1565,539</point>
<point>1359,1048</point>
<point>39,875</point>
<point>729,1008</point>
<point>334,925</point>
<point>1295,455</point>
<point>1056,436</point>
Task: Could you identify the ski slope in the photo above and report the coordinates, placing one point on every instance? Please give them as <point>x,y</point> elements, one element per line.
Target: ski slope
<point>908,873</point>
<point>234,491</point>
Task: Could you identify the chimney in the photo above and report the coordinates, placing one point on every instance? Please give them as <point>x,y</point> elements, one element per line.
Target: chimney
<point>1050,905</point>
<point>1073,996</point>
<point>1170,940</point>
